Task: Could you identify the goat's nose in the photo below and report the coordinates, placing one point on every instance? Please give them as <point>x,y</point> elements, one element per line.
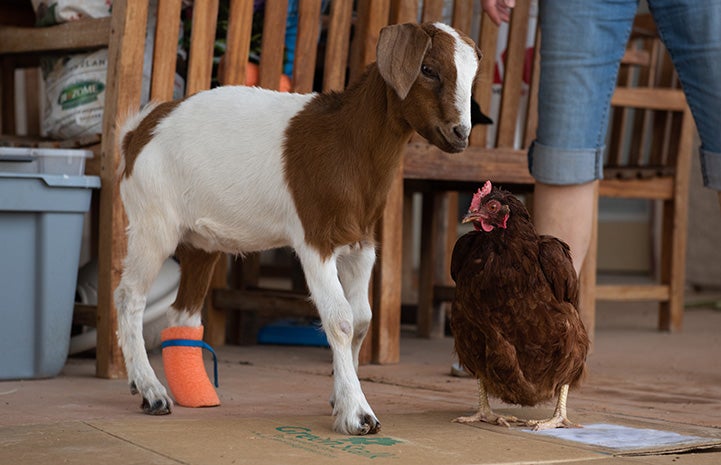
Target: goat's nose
<point>462,131</point>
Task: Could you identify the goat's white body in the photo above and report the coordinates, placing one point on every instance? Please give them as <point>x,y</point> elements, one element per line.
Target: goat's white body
<point>201,180</point>
<point>212,174</point>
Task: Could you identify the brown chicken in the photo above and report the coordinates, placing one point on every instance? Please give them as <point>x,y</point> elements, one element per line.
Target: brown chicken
<point>514,317</point>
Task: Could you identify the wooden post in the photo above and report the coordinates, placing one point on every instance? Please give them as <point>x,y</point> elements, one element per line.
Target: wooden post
<point>123,87</point>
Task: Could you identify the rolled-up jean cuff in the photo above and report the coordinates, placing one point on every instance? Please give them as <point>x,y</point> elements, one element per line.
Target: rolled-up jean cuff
<point>711,169</point>
<point>565,167</point>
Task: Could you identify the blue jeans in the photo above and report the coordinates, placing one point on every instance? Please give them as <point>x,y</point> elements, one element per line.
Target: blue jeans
<point>582,44</point>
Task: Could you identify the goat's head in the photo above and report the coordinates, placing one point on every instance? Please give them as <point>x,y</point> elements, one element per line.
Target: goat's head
<point>432,68</point>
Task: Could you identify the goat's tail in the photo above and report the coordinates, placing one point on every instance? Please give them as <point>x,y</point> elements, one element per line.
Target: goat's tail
<point>130,123</point>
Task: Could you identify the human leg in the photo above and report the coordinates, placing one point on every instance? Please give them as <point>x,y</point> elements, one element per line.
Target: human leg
<point>566,212</point>
<point>690,30</point>
<point>582,46</point>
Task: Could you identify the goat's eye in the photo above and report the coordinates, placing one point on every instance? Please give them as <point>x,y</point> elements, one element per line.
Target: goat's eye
<point>429,72</point>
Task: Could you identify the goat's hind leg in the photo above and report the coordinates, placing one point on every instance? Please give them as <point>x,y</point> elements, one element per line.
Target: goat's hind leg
<point>142,263</point>
<point>196,271</point>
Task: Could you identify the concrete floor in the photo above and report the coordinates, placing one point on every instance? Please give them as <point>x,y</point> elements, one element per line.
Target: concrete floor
<point>638,377</point>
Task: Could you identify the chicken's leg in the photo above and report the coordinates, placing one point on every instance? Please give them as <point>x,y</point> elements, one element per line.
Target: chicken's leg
<point>484,411</point>
<point>559,419</point>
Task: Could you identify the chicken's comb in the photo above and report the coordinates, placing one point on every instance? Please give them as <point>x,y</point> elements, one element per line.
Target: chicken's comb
<point>482,192</point>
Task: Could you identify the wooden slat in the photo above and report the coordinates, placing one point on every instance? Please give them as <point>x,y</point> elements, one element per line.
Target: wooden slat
<point>632,293</point>
<point>165,50</point>
<point>265,302</point>
<point>432,10</point>
<point>403,11</point>
<point>641,119</point>
<point>386,326</point>
<point>122,92</point>
<point>429,324</point>
<point>273,45</point>
<point>202,39</point>
<point>648,98</point>
<point>675,232</point>
<point>532,107</point>
<point>423,161</point>
<point>372,16</point>
<point>384,337</point>
<point>306,47</point>
<point>483,92</point>
<point>653,188</point>
<point>462,18</point>
<point>337,46</point>
<point>513,75</point>
<point>619,123</point>
<point>32,100</point>
<point>75,35</point>
<point>636,57</point>
<point>240,25</point>
<point>659,132</point>
<point>409,282</point>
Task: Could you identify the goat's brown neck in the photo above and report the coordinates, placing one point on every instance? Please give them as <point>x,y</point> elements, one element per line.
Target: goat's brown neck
<point>342,152</point>
<point>370,95</point>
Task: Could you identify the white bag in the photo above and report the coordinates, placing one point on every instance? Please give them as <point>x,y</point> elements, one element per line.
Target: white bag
<point>49,12</point>
<point>74,94</point>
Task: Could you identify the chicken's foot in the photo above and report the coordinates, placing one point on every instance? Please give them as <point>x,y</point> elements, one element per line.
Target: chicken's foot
<point>559,419</point>
<point>484,413</point>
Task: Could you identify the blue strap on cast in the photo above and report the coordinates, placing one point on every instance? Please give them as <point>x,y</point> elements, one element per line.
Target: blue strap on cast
<point>194,343</point>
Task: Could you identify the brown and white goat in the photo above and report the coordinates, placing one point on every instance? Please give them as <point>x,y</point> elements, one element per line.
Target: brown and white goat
<point>241,169</point>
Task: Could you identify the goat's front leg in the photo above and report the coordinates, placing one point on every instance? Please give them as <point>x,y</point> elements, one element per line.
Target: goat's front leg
<point>354,271</point>
<point>352,413</point>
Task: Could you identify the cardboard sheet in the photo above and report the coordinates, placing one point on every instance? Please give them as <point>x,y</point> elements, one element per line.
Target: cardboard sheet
<point>626,440</point>
<point>619,435</point>
<point>415,439</point>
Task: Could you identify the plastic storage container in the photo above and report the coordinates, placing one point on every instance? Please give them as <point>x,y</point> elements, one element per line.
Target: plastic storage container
<point>41,221</point>
<point>46,161</point>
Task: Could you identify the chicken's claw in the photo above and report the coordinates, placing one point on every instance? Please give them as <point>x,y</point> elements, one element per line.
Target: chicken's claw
<point>488,417</point>
<point>557,421</point>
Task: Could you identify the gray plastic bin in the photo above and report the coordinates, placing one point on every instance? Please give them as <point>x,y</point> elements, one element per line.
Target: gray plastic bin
<point>41,221</point>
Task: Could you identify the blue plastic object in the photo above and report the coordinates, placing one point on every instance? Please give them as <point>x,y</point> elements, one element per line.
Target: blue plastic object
<point>41,224</point>
<point>293,332</point>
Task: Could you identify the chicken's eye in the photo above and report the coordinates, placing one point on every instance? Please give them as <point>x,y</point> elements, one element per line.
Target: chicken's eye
<point>493,206</point>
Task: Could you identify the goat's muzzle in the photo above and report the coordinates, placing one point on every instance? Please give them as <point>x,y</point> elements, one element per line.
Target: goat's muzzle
<point>456,139</point>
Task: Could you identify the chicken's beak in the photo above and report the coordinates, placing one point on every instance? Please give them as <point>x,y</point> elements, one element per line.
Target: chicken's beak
<point>472,216</point>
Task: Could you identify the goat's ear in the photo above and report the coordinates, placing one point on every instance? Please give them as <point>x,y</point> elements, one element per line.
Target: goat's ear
<point>400,52</point>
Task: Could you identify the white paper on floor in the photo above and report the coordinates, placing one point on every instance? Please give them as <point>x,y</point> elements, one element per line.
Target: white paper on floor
<point>622,437</point>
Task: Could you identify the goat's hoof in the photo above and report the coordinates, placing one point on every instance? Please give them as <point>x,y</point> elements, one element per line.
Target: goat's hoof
<point>369,425</point>
<point>364,424</point>
<point>133,388</point>
<point>157,407</point>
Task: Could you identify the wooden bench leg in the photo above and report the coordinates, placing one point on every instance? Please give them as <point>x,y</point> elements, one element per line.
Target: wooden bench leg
<point>434,263</point>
